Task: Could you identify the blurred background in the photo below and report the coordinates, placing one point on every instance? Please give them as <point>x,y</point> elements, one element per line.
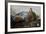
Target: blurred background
<point>25,16</point>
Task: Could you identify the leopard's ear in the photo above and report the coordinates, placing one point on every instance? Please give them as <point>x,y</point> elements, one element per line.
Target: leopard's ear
<point>30,10</point>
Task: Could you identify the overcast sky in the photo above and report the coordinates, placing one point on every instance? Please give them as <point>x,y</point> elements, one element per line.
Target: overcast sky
<point>17,9</point>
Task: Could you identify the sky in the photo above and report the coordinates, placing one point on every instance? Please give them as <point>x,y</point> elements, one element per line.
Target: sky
<point>17,9</point>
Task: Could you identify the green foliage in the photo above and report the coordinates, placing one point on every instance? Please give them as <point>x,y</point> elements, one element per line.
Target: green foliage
<point>34,15</point>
